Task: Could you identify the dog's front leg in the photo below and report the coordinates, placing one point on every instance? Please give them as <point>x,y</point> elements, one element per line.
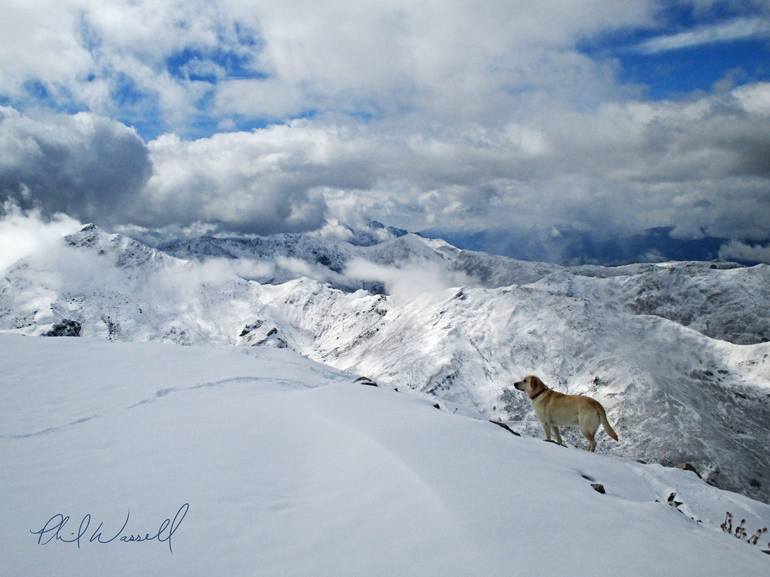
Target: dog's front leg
<point>547,427</point>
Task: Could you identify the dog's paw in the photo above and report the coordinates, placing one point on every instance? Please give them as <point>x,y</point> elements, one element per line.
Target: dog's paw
<point>554,442</point>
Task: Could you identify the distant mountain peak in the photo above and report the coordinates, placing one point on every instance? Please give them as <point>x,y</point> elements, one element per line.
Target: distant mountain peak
<point>87,236</point>
<point>126,251</point>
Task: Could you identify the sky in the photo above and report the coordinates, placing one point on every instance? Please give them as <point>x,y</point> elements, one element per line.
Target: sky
<point>600,117</point>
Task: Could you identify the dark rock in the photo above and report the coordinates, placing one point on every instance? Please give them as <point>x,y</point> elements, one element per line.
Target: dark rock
<point>436,406</point>
<point>673,502</point>
<point>113,327</point>
<point>65,328</point>
<point>690,467</point>
<point>366,381</point>
<point>598,487</point>
<point>504,426</point>
<point>276,342</point>
<point>250,327</point>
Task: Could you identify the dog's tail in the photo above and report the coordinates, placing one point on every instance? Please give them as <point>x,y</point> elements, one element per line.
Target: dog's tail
<point>605,423</point>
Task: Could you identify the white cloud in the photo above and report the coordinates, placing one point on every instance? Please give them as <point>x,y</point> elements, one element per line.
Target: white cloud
<point>241,179</point>
<point>381,56</point>
<point>258,98</point>
<point>755,98</point>
<point>745,252</point>
<point>40,41</point>
<point>737,29</point>
<point>24,233</point>
<point>410,280</point>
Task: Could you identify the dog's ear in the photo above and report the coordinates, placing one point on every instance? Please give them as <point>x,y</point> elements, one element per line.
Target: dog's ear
<point>536,383</point>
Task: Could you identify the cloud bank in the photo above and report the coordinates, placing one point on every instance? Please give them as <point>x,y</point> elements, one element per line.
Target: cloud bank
<point>699,166</point>
<point>410,280</point>
<point>736,250</point>
<point>420,115</point>
<point>84,165</point>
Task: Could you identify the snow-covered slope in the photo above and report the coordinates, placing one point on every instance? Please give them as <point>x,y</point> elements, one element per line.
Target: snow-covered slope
<point>676,395</point>
<point>650,341</point>
<point>290,468</point>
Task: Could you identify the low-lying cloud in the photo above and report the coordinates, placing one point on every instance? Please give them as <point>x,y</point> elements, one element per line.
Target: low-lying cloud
<point>741,251</point>
<point>24,233</point>
<point>409,280</point>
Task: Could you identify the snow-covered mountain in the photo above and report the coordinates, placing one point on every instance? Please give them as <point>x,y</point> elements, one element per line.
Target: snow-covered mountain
<point>677,352</point>
<point>266,463</point>
<point>325,258</point>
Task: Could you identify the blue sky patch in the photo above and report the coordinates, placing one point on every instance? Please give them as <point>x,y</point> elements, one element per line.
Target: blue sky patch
<point>211,65</point>
<point>676,71</point>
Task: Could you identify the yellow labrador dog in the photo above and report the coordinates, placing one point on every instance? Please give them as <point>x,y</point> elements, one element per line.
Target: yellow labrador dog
<point>556,410</point>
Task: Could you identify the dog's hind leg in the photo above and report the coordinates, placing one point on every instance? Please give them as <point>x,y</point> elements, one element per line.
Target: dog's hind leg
<point>589,424</point>
<point>589,433</point>
<point>558,435</point>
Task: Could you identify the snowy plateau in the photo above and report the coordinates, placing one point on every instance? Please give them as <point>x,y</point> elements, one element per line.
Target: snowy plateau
<point>292,465</point>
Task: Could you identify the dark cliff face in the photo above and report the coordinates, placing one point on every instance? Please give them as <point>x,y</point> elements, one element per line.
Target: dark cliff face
<point>65,328</point>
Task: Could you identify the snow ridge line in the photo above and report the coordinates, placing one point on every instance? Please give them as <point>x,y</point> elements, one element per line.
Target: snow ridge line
<point>289,384</point>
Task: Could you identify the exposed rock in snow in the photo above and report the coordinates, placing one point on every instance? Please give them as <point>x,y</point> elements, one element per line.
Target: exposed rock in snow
<point>65,328</point>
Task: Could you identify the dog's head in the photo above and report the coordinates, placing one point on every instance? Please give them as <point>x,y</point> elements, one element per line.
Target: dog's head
<point>531,385</point>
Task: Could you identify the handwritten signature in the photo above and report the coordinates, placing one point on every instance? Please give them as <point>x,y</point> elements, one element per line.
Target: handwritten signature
<point>55,529</point>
